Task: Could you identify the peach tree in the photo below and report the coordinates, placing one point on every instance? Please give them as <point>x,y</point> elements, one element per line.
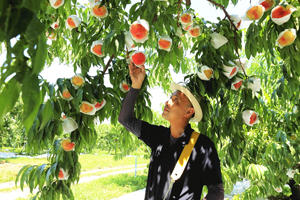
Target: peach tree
<point>251,114</point>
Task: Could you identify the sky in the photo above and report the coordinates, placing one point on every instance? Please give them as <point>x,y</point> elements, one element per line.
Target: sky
<point>202,7</point>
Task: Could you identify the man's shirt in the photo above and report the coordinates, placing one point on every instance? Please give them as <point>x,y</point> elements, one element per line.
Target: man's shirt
<point>203,167</point>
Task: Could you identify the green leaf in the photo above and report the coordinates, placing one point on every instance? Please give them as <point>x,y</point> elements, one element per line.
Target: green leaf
<point>20,172</point>
<point>32,99</point>
<point>166,60</point>
<point>38,173</point>
<point>31,179</point>
<point>132,10</point>
<point>225,3</point>
<point>9,96</point>
<point>2,35</point>
<point>25,176</point>
<point>41,180</point>
<point>47,113</point>
<point>36,195</point>
<point>51,170</point>
<point>33,5</point>
<point>234,2</point>
<point>247,49</point>
<point>20,19</point>
<point>40,57</point>
<point>3,7</point>
<point>173,58</point>
<point>34,29</point>
<point>216,74</point>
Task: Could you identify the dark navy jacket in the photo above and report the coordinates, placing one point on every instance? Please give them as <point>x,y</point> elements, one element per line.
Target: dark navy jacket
<point>203,167</point>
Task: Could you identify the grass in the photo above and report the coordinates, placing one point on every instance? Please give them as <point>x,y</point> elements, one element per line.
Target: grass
<point>17,150</point>
<point>110,170</point>
<point>109,187</point>
<point>11,166</point>
<point>100,161</point>
<point>85,175</point>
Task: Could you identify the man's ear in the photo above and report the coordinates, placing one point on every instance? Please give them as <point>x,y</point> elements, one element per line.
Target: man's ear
<point>190,112</point>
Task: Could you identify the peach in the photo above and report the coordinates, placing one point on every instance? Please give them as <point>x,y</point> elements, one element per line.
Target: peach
<point>124,87</point>
<point>66,95</point>
<point>281,14</point>
<point>138,58</point>
<point>286,37</point>
<point>67,145</point>
<point>237,84</point>
<point>62,174</point>
<point>195,31</point>
<point>186,18</point>
<point>250,117</point>
<point>139,31</point>
<point>267,4</point>
<point>206,73</point>
<point>165,43</point>
<point>73,22</point>
<point>255,12</point>
<point>99,11</point>
<point>96,48</point>
<point>87,108</point>
<point>77,81</point>
<point>230,71</point>
<point>100,105</point>
<point>56,3</point>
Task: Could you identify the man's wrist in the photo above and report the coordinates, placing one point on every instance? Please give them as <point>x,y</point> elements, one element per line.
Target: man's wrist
<point>136,86</point>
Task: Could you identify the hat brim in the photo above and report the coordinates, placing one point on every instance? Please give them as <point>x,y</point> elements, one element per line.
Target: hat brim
<point>198,111</point>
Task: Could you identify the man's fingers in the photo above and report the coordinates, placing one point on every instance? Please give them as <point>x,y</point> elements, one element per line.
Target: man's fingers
<point>130,66</point>
<point>143,68</point>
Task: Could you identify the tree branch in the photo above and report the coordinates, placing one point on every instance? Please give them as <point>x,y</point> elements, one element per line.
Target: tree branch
<point>154,19</point>
<point>235,30</point>
<point>225,12</point>
<point>107,64</point>
<point>179,5</point>
<point>188,3</point>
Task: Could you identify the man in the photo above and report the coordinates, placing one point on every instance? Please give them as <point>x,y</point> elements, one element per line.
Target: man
<point>203,167</point>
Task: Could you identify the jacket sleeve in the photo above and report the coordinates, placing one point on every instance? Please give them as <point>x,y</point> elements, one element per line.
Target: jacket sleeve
<point>215,192</point>
<point>126,116</point>
<point>150,134</point>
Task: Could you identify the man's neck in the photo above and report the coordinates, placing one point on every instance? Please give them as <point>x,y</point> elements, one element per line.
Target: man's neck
<point>177,129</point>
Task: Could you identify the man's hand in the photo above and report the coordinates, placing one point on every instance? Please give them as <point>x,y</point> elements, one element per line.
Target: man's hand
<point>137,75</point>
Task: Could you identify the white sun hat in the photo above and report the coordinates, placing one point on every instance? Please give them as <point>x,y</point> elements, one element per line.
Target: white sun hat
<point>198,111</point>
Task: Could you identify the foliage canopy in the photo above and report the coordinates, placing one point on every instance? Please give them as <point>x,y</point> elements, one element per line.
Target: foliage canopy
<point>262,153</point>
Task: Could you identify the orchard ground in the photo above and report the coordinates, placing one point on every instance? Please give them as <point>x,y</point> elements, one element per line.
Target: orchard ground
<point>99,170</point>
<point>101,174</point>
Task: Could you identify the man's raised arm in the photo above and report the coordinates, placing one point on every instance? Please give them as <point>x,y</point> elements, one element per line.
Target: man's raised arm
<point>126,116</point>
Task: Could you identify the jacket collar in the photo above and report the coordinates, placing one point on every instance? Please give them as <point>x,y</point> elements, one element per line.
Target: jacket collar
<point>185,137</point>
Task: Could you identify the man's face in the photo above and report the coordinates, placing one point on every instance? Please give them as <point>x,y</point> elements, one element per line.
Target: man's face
<point>177,107</point>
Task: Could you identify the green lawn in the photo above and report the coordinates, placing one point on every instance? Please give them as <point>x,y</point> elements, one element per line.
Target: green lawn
<point>89,161</point>
<point>109,170</point>
<point>109,187</point>
<point>99,173</point>
<point>11,166</point>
